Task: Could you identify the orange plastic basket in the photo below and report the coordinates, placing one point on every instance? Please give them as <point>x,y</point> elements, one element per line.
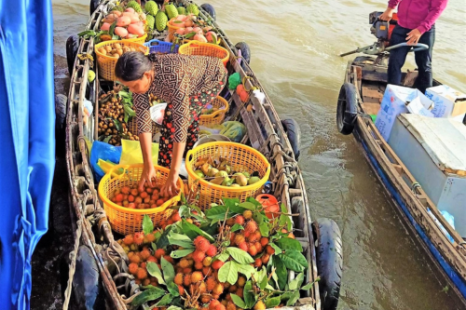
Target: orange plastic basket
<point>107,64</point>
<point>241,158</point>
<point>127,221</point>
<point>205,49</point>
<point>218,116</point>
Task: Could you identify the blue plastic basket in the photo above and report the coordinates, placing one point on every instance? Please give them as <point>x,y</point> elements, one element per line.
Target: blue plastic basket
<point>157,46</point>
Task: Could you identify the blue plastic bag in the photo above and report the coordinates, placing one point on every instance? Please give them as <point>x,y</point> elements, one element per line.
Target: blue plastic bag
<point>104,151</point>
<point>449,218</point>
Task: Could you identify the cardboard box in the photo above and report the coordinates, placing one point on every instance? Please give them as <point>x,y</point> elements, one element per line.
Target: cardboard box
<point>396,100</point>
<point>447,101</point>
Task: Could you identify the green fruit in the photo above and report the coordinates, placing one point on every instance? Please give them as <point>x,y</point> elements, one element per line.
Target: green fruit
<point>171,11</point>
<point>192,8</point>
<point>205,168</point>
<point>151,8</point>
<point>161,20</point>
<point>241,180</point>
<point>253,180</point>
<point>227,181</point>
<point>181,10</point>
<point>199,174</point>
<point>246,174</point>
<point>222,174</point>
<point>212,172</point>
<point>133,4</point>
<point>150,22</point>
<point>91,76</point>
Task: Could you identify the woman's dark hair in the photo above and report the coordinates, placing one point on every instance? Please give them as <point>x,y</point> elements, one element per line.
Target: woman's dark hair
<point>131,66</point>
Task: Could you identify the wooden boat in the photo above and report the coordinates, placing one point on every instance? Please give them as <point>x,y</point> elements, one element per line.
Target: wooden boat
<point>320,239</point>
<point>359,98</point>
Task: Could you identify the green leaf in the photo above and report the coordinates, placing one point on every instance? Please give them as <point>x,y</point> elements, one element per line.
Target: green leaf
<point>228,273</point>
<point>285,221</point>
<point>281,272</point>
<point>297,282</point>
<point>152,293</point>
<point>293,299</point>
<point>249,296</point>
<point>86,34</point>
<point>294,260</point>
<point>174,308</point>
<point>254,202</point>
<point>248,205</point>
<point>163,240</point>
<point>289,244</point>
<point>222,256</point>
<point>147,225</point>
<point>218,213</point>
<point>154,270</point>
<point>308,286</point>
<point>154,247</point>
<point>272,302</point>
<point>124,94</point>
<point>237,301</point>
<point>107,139</point>
<point>173,289</point>
<point>192,231</point>
<point>181,253</point>
<point>236,227</point>
<point>190,35</point>
<point>264,229</point>
<point>276,248</point>
<point>111,31</point>
<point>168,270</point>
<point>184,211</point>
<point>283,208</point>
<point>240,256</point>
<point>165,301</point>
<point>246,270</point>
<point>128,111</point>
<point>263,282</point>
<point>180,240</point>
<point>259,218</point>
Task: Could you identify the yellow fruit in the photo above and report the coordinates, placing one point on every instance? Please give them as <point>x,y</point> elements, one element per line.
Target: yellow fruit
<point>259,305</point>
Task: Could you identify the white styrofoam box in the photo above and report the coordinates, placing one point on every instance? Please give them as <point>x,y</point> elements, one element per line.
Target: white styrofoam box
<point>394,102</point>
<point>433,149</point>
<point>448,102</point>
<point>459,118</point>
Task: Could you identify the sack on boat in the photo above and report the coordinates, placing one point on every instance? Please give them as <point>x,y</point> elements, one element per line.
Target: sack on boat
<point>132,153</point>
<point>106,152</point>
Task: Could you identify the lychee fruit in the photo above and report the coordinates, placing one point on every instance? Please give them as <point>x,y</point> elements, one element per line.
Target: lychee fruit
<point>198,256</point>
<point>239,238</point>
<point>231,306</point>
<point>270,250</point>
<point>207,261</point>
<point>141,274</point>
<point>232,289</point>
<point>210,283</point>
<point>181,290</point>
<point>258,247</point>
<point>258,263</point>
<point>205,298</point>
<point>252,250</point>
<point>243,246</point>
<point>146,282</point>
<point>145,254</point>
<point>135,258</point>
<point>231,222</point>
<point>239,220</point>
<point>197,276</point>
<point>138,238</point>
<point>133,268</point>
<point>247,214</point>
<point>150,238</point>
<point>187,279</point>
<point>206,271</point>
<point>128,240</point>
<point>264,241</point>
<point>178,279</point>
<point>159,253</point>
<point>199,266</point>
<point>240,292</point>
<point>184,263</point>
<point>201,244</point>
<point>213,304</point>
<point>217,264</point>
<point>187,270</point>
<point>202,288</point>
<point>212,251</point>
<point>265,258</point>
<point>176,217</point>
<point>241,281</point>
<point>143,265</point>
<point>220,307</point>
<point>152,259</point>
<point>218,289</point>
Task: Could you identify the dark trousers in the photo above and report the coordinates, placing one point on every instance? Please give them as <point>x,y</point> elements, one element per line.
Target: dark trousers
<point>423,58</point>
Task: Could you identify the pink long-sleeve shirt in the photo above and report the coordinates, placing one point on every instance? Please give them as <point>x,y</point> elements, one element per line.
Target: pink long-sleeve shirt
<point>420,14</point>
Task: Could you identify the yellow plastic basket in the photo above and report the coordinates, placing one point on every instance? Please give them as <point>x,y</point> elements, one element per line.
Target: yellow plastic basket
<point>171,31</point>
<point>125,220</point>
<point>107,64</point>
<point>205,49</point>
<point>241,158</point>
<point>139,40</point>
<point>217,117</point>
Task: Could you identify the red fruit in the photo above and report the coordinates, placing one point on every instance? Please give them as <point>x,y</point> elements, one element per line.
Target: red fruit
<point>247,214</point>
<point>239,239</point>
<point>241,281</point>
<point>264,241</point>
<point>239,220</point>
<point>125,190</point>
<point>218,289</point>
<point>184,263</point>
<point>198,256</point>
<point>232,237</point>
<point>187,270</point>
<point>159,253</point>
<point>291,235</point>
<point>258,263</point>
<point>255,236</point>
<point>240,292</point>
<point>213,304</point>
<point>134,192</point>
<point>150,238</point>
<point>210,283</point>
<point>212,251</point>
<point>252,250</point>
<point>133,268</point>
<point>196,276</point>
<point>181,290</point>
<point>205,298</point>
<point>146,282</point>
<point>231,222</point>
<point>207,262</point>
<point>199,266</point>
<point>220,307</point>
<point>206,271</point>
<point>176,217</point>
<point>232,289</point>
<point>145,254</point>
<point>202,288</point>
<point>135,259</point>
<point>265,258</point>
<point>187,279</point>
<point>231,306</point>
<point>270,250</point>
<point>143,265</point>
<point>217,264</point>
<point>128,240</point>
<point>119,198</point>
<point>201,244</point>
<point>258,247</point>
<point>251,226</point>
<point>138,238</point>
<point>141,274</point>
<point>243,246</point>
<point>247,234</point>
<point>178,279</point>
<point>169,259</point>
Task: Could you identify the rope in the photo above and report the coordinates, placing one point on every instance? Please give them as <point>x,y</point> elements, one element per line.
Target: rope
<point>415,186</point>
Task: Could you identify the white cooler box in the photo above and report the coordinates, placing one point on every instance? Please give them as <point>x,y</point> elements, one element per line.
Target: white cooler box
<point>434,151</point>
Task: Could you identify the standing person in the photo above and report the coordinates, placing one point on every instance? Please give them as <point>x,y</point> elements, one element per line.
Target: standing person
<point>416,24</point>
<point>188,84</point>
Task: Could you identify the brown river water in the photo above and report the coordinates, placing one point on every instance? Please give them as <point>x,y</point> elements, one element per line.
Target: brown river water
<point>295,46</point>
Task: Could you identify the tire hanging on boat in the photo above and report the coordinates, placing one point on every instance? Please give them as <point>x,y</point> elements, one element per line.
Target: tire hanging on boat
<point>93,5</point>
<point>347,108</point>
<point>209,9</point>
<point>245,51</point>
<point>72,44</point>
<point>329,256</point>
<point>294,135</point>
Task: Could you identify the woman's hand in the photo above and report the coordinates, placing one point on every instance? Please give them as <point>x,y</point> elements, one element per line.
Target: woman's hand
<point>170,188</point>
<point>413,37</point>
<point>148,174</point>
<point>387,15</point>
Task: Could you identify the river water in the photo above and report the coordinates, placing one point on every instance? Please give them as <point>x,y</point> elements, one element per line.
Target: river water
<point>294,46</point>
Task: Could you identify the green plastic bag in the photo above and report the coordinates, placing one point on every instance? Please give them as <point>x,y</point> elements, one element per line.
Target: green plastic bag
<point>132,154</point>
<point>234,80</point>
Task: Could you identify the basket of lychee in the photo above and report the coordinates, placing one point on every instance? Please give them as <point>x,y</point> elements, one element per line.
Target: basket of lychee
<point>126,204</point>
<point>249,261</point>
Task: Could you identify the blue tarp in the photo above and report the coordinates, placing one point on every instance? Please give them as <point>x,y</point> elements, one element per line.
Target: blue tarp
<point>27,143</point>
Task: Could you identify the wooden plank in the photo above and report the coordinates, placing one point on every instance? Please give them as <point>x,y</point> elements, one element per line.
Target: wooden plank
<point>370,107</point>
